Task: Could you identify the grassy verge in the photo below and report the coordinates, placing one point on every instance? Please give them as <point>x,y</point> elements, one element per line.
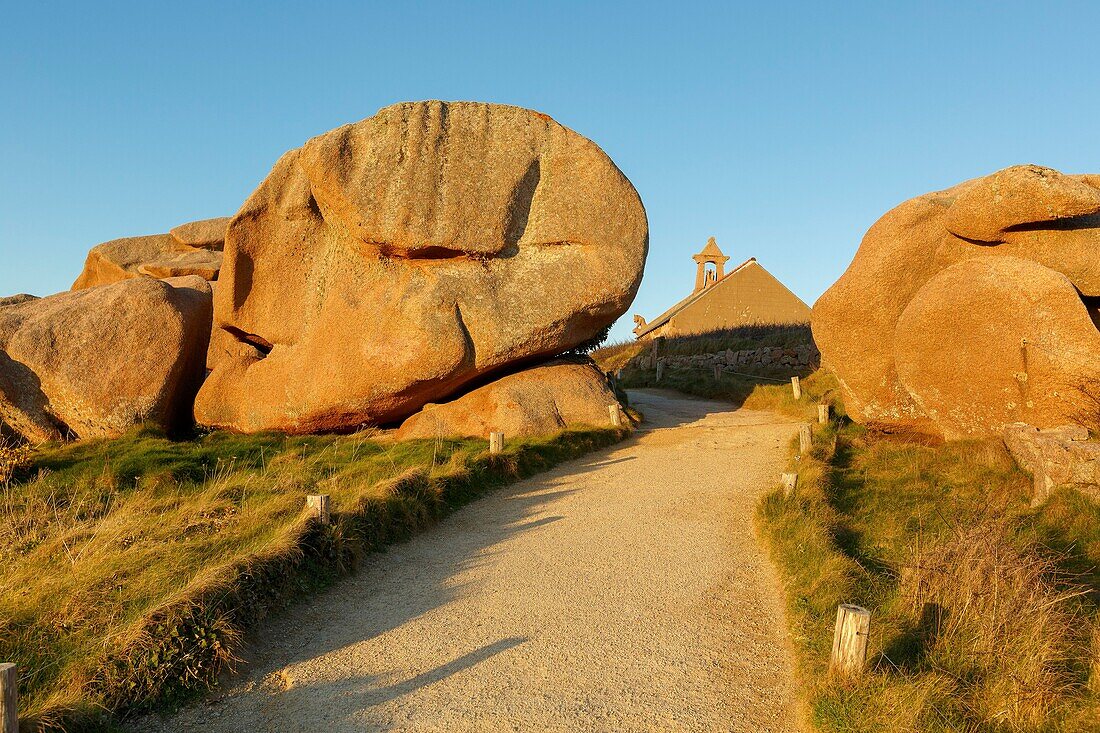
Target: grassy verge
<point>756,392</point>
<point>131,567</point>
<point>985,612</point>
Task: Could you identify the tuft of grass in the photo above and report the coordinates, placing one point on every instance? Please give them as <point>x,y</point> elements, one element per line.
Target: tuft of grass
<point>132,566</point>
<point>984,610</point>
<point>614,356</point>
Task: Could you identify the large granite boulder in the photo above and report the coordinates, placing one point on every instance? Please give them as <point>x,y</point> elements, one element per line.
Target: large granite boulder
<point>537,401</point>
<point>947,366</point>
<point>390,262</point>
<point>94,362</point>
<point>189,249</point>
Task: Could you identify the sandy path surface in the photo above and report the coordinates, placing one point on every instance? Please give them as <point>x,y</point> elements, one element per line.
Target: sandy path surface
<point>620,592</point>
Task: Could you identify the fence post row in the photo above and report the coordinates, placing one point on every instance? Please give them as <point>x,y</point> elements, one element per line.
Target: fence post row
<point>318,507</point>
<point>853,628</point>
<point>796,388</point>
<point>790,483</point>
<point>805,438</point>
<point>9,698</point>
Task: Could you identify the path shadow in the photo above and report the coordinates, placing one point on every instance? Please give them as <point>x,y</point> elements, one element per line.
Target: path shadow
<point>443,671</point>
<point>404,583</point>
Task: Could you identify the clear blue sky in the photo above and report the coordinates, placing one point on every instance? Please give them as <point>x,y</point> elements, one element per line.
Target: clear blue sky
<point>783,129</point>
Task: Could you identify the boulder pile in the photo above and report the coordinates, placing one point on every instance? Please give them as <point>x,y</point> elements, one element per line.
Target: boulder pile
<point>94,362</point>
<point>430,250</point>
<point>973,308</point>
<point>189,249</point>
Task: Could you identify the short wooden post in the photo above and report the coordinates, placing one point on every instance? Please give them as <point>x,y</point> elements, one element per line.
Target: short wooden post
<point>790,483</point>
<point>796,387</point>
<point>805,438</point>
<point>9,698</point>
<point>616,418</point>
<point>853,628</point>
<point>318,507</point>
<point>717,372</point>
<point>660,368</point>
<point>496,442</point>
<point>823,413</point>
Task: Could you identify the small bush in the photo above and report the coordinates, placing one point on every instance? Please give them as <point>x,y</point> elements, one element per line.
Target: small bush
<point>13,457</point>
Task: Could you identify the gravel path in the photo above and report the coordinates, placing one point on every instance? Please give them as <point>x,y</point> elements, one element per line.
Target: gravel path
<point>620,592</point>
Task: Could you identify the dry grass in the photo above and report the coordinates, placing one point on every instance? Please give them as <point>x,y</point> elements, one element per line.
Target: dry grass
<point>1001,616</point>
<point>130,567</point>
<point>13,456</point>
<point>985,613</point>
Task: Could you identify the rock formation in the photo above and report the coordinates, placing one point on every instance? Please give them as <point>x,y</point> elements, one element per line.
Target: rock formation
<point>968,309</point>
<point>189,249</point>
<point>390,262</point>
<point>1055,457</point>
<point>93,362</point>
<point>537,401</point>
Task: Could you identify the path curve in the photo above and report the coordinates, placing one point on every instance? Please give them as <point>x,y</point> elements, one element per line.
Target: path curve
<point>620,592</point>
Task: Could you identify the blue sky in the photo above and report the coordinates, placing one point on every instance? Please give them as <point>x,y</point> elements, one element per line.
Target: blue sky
<point>782,129</point>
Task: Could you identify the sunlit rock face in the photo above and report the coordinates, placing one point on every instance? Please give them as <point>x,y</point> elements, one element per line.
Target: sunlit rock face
<point>95,362</point>
<point>387,263</point>
<point>968,309</point>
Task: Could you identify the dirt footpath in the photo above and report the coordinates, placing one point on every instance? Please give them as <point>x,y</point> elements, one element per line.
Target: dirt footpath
<point>621,592</point>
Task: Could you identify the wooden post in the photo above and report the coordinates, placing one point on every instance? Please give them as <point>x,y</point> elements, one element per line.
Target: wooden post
<point>616,418</point>
<point>796,387</point>
<point>823,414</point>
<point>660,368</point>
<point>805,438</point>
<point>853,628</point>
<point>717,372</point>
<point>318,507</point>
<point>496,442</point>
<point>790,483</point>
<point>9,699</point>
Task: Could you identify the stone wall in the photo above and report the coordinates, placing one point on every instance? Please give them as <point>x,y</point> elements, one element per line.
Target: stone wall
<point>1056,457</point>
<point>801,358</point>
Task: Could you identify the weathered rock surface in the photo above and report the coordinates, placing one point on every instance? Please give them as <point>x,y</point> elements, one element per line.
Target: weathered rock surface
<point>989,342</point>
<point>205,233</point>
<point>387,263</point>
<point>1025,213</point>
<point>1055,457</point>
<point>93,362</point>
<point>190,249</point>
<point>537,401</point>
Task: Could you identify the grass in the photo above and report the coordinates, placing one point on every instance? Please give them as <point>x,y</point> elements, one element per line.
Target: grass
<point>754,391</point>
<point>752,388</point>
<point>131,567</point>
<point>985,611</point>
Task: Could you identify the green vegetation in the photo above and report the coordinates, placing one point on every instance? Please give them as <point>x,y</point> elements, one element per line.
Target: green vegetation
<point>985,611</point>
<point>132,566</point>
<point>756,392</point>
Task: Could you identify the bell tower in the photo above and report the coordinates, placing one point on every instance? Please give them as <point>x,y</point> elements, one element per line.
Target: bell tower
<point>705,276</point>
